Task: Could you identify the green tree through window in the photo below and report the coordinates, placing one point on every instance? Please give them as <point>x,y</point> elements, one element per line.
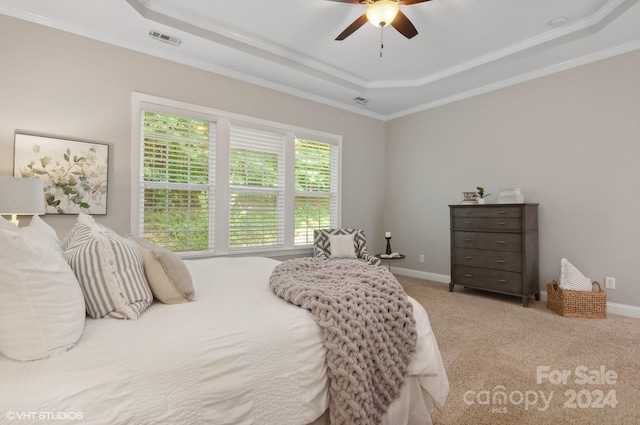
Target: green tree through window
<point>314,189</point>
<point>176,181</point>
<point>268,191</point>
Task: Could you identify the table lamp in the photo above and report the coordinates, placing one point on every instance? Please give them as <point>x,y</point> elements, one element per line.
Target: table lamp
<point>21,197</point>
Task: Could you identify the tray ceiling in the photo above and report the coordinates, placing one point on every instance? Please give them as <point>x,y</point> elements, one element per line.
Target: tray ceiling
<point>463,47</point>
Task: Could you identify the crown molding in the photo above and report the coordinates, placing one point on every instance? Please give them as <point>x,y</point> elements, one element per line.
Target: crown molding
<point>285,57</point>
<point>251,45</point>
<point>574,63</point>
<point>595,22</point>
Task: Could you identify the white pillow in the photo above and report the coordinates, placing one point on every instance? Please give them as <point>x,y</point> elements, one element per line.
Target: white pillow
<point>342,246</point>
<point>167,275</point>
<point>109,269</point>
<point>572,279</point>
<point>42,310</point>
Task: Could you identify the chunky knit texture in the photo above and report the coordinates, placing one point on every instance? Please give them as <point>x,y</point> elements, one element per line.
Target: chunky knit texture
<point>367,327</point>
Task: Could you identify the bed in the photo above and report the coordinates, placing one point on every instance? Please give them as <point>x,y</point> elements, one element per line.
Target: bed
<point>237,355</point>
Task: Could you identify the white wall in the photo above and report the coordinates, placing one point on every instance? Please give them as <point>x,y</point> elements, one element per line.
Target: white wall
<point>570,141</point>
<point>60,84</point>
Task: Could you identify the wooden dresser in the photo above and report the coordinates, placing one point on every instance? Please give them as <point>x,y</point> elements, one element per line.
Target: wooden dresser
<point>495,247</point>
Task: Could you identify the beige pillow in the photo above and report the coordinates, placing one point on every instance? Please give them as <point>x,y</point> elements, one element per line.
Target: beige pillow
<point>168,276</point>
<point>342,246</point>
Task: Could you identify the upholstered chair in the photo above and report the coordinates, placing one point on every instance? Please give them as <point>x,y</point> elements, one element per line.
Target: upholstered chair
<point>322,244</point>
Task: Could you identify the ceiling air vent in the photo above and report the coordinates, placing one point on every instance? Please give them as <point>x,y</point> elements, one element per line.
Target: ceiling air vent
<point>361,100</point>
<point>165,38</point>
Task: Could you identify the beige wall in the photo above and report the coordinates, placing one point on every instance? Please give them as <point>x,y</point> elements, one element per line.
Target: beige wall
<point>61,84</point>
<point>570,141</point>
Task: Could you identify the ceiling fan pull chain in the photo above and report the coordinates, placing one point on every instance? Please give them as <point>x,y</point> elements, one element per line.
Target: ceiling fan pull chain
<point>381,40</point>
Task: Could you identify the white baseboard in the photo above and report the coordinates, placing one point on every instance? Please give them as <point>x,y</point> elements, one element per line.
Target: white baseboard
<point>442,278</point>
<point>612,308</point>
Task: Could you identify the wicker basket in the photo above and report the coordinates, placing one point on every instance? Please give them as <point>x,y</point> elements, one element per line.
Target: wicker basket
<point>577,303</point>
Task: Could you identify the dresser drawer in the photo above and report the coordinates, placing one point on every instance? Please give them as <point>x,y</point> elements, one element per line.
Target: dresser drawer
<point>508,242</point>
<point>485,211</point>
<point>495,280</point>
<point>499,260</point>
<point>487,223</point>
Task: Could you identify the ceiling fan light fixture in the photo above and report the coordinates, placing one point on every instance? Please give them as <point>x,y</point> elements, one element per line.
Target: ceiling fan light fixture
<point>382,12</point>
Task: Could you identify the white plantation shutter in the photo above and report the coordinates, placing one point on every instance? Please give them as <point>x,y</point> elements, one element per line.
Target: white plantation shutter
<point>316,191</point>
<point>201,176</point>
<point>256,187</point>
<point>176,204</point>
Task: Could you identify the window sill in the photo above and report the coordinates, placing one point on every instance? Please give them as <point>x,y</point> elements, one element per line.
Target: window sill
<point>282,255</point>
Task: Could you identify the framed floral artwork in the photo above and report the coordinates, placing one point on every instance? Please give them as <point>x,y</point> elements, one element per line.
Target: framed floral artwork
<point>75,173</point>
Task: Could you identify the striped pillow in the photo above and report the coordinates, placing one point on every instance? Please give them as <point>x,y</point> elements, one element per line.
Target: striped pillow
<point>109,270</point>
<point>572,279</point>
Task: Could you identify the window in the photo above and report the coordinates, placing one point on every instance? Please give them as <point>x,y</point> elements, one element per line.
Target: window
<point>256,188</point>
<point>210,183</point>
<point>177,160</point>
<point>315,188</point>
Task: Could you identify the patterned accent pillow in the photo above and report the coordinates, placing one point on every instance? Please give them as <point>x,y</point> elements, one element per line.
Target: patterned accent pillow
<point>572,279</point>
<point>322,243</point>
<point>109,269</point>
<point>168,276</point>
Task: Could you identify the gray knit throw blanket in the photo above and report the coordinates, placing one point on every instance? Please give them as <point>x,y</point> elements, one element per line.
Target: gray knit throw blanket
<point>367,327</point>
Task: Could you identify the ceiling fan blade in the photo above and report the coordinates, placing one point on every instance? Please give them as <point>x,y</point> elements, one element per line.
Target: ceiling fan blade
<point>349,1</point>
<point>353,27</point>
<point>404,25</point>
<point>405,2</point>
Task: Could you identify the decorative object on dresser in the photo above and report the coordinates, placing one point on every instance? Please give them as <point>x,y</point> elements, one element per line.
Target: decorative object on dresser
<point>511,196</point>
<point>480,195</point>
<point>469,198</point>
<point>495,248</point>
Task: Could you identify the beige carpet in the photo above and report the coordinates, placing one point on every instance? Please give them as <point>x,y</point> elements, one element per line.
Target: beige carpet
<point>489,340</point>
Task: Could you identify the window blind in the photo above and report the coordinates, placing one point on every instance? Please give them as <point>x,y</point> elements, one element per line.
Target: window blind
<point>256,187</point>
<point>208,182</point>
<point>316,188</point>
<point>176,204</point>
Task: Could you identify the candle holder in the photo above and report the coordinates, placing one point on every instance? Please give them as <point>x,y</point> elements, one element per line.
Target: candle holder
<point>388,252</point>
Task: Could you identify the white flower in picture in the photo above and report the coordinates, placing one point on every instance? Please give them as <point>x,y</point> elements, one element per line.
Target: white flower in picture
<point>74,173</point>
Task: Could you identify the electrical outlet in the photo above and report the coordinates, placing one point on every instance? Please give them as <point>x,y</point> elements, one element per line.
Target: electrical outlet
<point>610,283</point>
<point>421,258</point>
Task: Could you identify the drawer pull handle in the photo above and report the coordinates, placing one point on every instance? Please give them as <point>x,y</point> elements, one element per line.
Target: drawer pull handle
<point>501,241</point>
<point>502,281</point>
<point>501,261</point>
<point>468,275</point>
<point>468,240</point>
<point>468,258</point>
<point>468,222</point>
<point>501,212</point>
<point>501,224</point>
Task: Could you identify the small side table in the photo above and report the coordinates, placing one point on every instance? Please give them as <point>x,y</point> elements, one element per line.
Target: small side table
<point>389,259</point>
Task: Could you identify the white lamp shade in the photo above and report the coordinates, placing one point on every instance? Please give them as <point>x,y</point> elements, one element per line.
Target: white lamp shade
<point>21,196</point>
<point>382,12</point>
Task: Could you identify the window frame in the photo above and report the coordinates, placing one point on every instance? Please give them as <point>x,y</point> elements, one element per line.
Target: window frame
<point>221,210</point>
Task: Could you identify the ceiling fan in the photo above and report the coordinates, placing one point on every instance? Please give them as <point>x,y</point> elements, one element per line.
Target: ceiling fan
<point>381,13</point>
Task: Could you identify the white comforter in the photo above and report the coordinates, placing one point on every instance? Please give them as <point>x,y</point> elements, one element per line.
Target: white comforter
<point>238,355</point>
